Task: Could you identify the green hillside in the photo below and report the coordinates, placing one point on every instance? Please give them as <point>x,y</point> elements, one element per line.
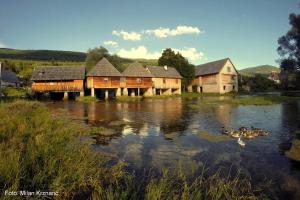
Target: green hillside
<point>23,61</point>
<point>49,55</point>
<point>262,69</point>
<point>55,55</point>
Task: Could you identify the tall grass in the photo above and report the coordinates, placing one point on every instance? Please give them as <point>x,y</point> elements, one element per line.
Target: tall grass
<point>40,151</point>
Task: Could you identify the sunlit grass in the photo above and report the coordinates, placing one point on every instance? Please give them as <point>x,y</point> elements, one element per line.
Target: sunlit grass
<point>213,137</point>
<point>15,91</point>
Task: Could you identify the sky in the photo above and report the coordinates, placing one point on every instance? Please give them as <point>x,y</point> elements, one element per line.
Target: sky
<point>201,30</point>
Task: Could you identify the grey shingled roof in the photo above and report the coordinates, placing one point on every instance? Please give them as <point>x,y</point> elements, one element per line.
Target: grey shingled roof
<point>9,76</point>
<point>104,68</point>
<point>211,67</point>
<point>136,70</point>
<point>161,72</point>
<point>43,73</point>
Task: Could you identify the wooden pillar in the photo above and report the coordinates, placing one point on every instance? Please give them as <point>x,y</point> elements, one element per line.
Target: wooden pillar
<point>81,93</point>
<point>125,92</point>
<point>138,91</point>
<point>198,89</point>
<point>153,91</point>
<point>65,95</point>
<point>118,92</point>
<point>106,94</point>
<point>132,92</point>
<point>148,92</point>
<point>93,92</point>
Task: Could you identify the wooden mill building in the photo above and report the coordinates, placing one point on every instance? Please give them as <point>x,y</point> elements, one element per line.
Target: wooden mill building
<point>216,77</point>
<point>59,79</point>
<point>166,80</point>
<point>136,80</point>
<point>104,78</point>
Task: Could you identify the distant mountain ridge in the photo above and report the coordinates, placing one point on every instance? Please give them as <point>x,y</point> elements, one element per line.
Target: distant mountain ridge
<point>58,55</point>
<point>49,55</point>
<point>261,69</point>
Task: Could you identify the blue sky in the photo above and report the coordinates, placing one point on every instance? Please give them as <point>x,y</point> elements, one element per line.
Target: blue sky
<point>245,31</point>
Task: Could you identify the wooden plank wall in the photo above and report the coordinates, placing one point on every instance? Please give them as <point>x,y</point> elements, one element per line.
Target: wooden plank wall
<point>73,85</point>
<point>135,82</point>
<point>227,78</point>
<point>103,82</point>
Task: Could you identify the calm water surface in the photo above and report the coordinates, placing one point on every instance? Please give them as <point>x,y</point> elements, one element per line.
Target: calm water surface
<point>158,133</point>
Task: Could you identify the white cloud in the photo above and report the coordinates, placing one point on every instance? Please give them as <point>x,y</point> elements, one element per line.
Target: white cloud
<point>133,36</point>
<point>179,30</point>
<point>111,43</point>
<point>2,45</point>
<point>191,54</point>
<point>138,52</point>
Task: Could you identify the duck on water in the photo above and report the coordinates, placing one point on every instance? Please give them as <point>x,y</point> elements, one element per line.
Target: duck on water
<point>244,132</point>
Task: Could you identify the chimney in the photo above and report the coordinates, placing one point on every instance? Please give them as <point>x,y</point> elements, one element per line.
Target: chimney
<point>166,67</point>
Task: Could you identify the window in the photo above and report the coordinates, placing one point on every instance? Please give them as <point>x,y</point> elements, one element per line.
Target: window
<point>232,78</point>
<point>224,87</point>
<point>138,80</point>
<point>228,69</point>
<point>164,80</point>
<point>105,80</point>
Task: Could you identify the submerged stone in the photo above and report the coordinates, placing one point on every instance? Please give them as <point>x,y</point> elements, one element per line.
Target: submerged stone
<point>294,152</point>
<point>213,137</point>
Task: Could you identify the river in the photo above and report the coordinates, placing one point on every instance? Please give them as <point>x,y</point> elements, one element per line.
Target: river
<point>160,133</point>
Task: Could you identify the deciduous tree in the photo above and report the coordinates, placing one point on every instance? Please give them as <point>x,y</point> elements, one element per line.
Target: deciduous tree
<point>181,64</point>
<point>289,51</point>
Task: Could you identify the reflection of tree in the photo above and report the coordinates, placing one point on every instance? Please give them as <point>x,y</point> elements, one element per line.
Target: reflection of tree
<point>290,123</point>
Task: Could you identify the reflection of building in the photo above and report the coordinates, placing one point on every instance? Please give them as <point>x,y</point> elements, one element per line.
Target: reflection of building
<point>215,77</point>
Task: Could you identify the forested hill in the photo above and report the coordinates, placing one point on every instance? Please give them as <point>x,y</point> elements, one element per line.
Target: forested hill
<point>262,69</point>
<point>49,55</point>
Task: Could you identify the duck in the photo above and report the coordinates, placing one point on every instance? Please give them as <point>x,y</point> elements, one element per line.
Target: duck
<point>243,129</point>
<point>263,133</point>
<point>225,131</point>
<point>248,135</point>
<point>241,142</point>
<point>235,134</point>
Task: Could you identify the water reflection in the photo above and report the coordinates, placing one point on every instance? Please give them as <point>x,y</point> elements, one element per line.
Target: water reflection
<point>160,133</point>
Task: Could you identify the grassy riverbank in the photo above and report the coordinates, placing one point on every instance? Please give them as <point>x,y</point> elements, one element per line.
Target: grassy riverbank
<point>260,100</point>
<point>46,151</point>
<point>236,99</point>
